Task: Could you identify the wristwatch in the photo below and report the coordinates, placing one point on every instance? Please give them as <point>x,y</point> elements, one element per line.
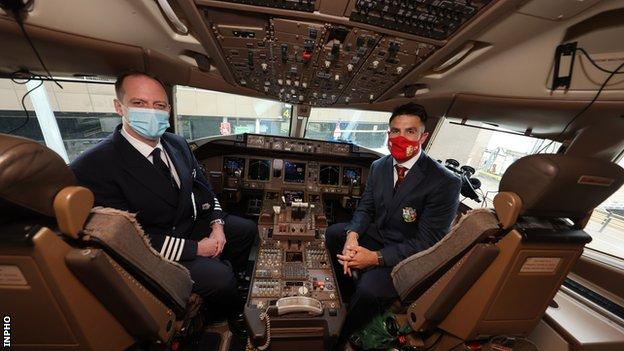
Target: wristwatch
<point>380,260</point>
<point>217,221</point>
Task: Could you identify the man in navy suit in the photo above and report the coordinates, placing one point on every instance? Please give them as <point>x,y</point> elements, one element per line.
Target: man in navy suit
<point>143,170</point>
<point>407,206</point>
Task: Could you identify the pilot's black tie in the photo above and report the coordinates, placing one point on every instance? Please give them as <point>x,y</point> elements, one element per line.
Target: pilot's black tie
<point>162,167</point>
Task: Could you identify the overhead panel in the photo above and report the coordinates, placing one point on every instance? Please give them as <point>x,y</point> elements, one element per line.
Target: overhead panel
<point>391,58</point>
<point>296,49</point>
<point>297,5</point>
<point>315,63</point>
<point>343,52</point>
<point>435,19</point>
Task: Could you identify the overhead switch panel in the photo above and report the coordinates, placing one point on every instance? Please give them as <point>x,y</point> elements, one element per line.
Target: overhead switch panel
<point>297,5</point>
<point>318,64</point>
<point>435,19</point>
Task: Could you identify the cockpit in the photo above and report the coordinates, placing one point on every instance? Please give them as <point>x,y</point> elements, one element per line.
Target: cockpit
<point>286,107</point>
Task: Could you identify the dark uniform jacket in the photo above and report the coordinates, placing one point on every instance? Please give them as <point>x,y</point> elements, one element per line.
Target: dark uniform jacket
<point>414,218</point>
<point>122,178</point>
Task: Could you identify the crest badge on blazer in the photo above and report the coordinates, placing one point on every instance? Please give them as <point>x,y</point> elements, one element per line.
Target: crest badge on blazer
<point>409,214</point>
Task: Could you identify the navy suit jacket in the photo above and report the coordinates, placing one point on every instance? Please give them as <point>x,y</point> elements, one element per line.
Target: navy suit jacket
<point>121,177</point>
<point>414,218</point>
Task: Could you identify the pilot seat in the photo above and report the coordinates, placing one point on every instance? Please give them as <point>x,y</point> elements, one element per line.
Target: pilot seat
<point>498,269</point>
<point>77,278</point>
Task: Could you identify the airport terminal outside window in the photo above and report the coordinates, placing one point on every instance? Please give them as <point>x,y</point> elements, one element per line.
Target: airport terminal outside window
<point>205,113</point>
<point>606,225</point>
<point>84,113</point>
<point>488,152</point>
<point>364,128</point>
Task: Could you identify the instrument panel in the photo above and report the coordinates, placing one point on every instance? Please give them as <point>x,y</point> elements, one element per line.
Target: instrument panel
<point>250,172</point>
<point>295,188</point>
<point>294,172</point>
<point>277,143</point>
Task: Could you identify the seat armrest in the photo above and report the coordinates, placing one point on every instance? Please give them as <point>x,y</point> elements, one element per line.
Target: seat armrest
<point>71,207</point>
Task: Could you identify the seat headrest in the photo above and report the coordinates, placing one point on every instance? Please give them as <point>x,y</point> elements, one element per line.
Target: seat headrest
<point>561,185</point>
<point>31,174</point>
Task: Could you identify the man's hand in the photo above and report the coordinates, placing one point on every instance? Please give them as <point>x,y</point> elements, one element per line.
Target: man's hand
<point>219,236</point>
<point>347,251</point>
<point>207,247</point>
<point>361,259</point>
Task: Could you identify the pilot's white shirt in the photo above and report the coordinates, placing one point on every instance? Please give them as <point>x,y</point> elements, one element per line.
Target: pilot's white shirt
<point>407,164</point>
<point>146,151</point>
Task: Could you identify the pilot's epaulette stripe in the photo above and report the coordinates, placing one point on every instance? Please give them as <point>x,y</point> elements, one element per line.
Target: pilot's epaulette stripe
<point>164,246</point>
<point>169,247</point>
<point>174,251</point>
<point>180,249</point>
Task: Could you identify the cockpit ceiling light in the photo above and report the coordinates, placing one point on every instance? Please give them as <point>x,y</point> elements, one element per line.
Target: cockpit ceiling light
<point>455,58</point>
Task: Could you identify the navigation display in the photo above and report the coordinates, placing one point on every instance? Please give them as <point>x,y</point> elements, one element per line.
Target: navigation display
<point>294,172</point>
<point>351,175</point>
<point>259,169</point>
<point>233,167</point>
<point>329,175</point>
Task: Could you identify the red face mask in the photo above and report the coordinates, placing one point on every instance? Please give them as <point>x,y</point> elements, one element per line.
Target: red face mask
<point>402,149</point>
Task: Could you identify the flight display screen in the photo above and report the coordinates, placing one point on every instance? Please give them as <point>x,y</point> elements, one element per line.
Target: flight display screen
<point>259,169</point>
<point>233,167</point>
<point>292,195</point>
<point>329,175</point>
<point>351,175</point>
<point>294,172</point>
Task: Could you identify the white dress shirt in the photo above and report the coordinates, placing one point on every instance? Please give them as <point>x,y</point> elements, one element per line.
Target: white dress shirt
<point>407,164</point>
<point>146,150</point>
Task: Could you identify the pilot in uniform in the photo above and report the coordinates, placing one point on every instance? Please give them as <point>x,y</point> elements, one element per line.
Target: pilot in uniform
<point>408,205</point>
<point>141,169</point>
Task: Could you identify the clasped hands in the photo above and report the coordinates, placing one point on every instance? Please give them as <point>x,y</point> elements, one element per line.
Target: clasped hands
<point>355,256</point>
<point>212,246</point>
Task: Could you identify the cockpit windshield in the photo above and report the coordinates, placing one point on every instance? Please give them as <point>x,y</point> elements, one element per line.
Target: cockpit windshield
<point>205,113</point>
<point>360,127</point>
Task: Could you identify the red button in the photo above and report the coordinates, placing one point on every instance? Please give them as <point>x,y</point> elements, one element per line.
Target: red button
<point>307,55</point>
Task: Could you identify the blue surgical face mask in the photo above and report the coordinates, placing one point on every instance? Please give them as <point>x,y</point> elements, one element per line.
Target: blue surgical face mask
<point>148,122</point>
